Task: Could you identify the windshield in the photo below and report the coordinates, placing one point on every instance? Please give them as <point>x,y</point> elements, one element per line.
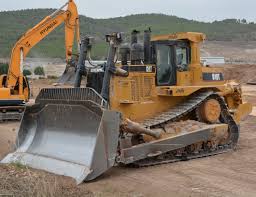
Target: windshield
<point>182,58</point>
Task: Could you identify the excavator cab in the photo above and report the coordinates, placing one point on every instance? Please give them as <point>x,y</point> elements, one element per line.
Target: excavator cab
<point>3,79</point>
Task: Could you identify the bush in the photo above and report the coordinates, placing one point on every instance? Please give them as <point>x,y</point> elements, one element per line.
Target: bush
<point>3,68</point>
<point>52,77</point>
<point>39,71</point>
<point>27,72</point>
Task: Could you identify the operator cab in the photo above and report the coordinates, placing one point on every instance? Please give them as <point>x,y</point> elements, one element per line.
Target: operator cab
<point>170,57</point>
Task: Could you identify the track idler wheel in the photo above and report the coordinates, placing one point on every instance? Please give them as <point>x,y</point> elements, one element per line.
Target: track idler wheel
<point>209,111</point>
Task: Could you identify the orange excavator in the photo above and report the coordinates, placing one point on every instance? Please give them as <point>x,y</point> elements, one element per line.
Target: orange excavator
<point>14,87</point>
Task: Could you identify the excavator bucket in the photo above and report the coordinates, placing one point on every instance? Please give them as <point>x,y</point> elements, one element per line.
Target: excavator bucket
<point>68,76</point>
<point>68,132</point>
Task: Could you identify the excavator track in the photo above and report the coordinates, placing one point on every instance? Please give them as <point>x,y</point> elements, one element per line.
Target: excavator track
<point>11,113</point>
<point>176,114</point>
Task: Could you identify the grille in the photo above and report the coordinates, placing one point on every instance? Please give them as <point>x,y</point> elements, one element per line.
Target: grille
<point>71,94</point>
<point>135,89</point>
<point>147,89</point>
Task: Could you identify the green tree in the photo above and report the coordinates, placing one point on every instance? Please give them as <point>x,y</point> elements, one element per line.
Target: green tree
<point>244,21</point>
<point>27,72</point>
<point>3,69</point>
<point>15,23</point>
<point>39,71</point>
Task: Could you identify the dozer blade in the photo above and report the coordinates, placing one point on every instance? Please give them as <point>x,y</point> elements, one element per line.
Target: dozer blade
<point>242,112</point>
<point>69,134</point>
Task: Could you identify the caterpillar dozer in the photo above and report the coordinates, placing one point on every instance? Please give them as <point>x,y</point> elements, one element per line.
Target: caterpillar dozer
<point>14,87</point>
<point>156,105</point>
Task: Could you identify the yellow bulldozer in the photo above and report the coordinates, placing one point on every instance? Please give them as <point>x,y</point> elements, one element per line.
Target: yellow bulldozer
<point>156,105</point>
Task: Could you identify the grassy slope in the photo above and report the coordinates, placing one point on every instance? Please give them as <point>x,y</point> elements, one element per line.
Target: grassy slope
<point>14,23</point>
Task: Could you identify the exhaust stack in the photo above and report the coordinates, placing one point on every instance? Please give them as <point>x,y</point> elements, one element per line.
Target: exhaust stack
<point>147,47</point>
<point>137,51</point>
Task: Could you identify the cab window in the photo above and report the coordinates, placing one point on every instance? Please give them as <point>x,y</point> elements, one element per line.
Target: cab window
<point>182,58</point>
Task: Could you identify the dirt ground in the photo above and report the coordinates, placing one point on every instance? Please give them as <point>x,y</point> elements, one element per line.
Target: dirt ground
<point>244,73</point>
<point>7,137</point>
<point>231,174</point>
<point>236,51</point>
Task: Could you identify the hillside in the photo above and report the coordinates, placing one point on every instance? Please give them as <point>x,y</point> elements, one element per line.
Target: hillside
<point>14,23</point>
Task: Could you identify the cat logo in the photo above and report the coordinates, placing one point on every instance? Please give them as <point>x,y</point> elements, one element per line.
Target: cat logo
<point>213,77</point>
<point>149,69</point>
<point>216,77</point>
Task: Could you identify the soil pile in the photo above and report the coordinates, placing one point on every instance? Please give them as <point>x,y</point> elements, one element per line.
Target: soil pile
<point>242,73</point>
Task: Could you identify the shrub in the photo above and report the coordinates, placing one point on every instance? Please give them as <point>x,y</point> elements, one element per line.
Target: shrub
<point>52,77</point>
<point>27,72</point>
<point>39,71</point>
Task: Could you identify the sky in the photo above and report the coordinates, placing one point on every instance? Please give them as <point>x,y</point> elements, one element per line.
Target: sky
<point>202,10</point>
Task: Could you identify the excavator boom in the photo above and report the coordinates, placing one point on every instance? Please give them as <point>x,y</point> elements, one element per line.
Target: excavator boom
<point>39,32</point>
<point>15,88</point>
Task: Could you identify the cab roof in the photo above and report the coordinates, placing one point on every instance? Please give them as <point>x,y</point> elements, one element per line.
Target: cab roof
<point>190,36</point>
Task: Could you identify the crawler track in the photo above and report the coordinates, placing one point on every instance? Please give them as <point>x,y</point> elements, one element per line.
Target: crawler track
<point>11,113</point>
<point>176,114</point>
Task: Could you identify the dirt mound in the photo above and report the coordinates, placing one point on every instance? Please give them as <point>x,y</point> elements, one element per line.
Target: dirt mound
<point>7,139</point>
<point>242,73</point>
<point>19,181</point>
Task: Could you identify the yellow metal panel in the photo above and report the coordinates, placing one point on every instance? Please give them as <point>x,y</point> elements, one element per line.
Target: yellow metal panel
<point>143,96</point>
<point>242,111</point>
<point>184,78</point>
<point>5,93</point>
<point>186,90</point>
<point>124,91</point>
<point>212,69</point>
<point>191,36</point>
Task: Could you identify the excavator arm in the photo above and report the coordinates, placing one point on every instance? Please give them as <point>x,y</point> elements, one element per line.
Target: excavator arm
<point>36,34</point>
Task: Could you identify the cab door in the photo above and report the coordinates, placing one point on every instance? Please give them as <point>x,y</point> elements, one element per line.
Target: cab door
<point>166,65</point>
